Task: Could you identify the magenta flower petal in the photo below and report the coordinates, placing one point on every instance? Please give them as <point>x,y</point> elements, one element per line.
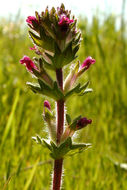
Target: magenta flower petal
<point>65,20</point>
<point>87,62</point>
<point>31,19</point>
<point>47,104</point>
<point>28,63</point>
<point>83,122</point>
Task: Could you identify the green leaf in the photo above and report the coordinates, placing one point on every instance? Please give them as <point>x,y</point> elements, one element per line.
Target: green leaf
<point>47,145</point>
<point>54,147</point>
<point>88,90</point>
<point>36,39</point>
<point>34,138</point>
<point>65,147</point>
<point>47,26</point>
<point>68,119</point>
<point>19,168</point>
<point>78,148</point>
<point>46,90</point>
<point>85,85</point>
<point>39,139</point>
<point>36,73</point>
<point>77,118</point>
<point>8,169</point>
<point>46,64</point>
<point>61,151</point>
<point>73,91</point>
<point>45,43</point>
<point>54,153</point>
<point>37,15</point>
<point>62,58</point>
<point>74,123</point>
<point>79,90</point>
<point>34,87</point>
<point>30,178</point>
<point>76,49</point>
<point>10,117</point>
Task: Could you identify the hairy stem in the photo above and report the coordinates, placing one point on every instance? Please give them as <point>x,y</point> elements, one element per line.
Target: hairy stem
<point>60,126</point>
<point>59,77</point>
<point>57,174</point>
<point>60,119</point>
<point>60,106</point>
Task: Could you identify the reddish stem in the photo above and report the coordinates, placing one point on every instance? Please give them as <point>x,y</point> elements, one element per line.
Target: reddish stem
<point>60,126</point>
<point>60,119</point>
<point>60,106</point>
<point>59,77</point>
<point>57,174</point>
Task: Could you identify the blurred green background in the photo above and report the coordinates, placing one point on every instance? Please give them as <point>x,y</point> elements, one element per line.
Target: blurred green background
<point>25,165</point>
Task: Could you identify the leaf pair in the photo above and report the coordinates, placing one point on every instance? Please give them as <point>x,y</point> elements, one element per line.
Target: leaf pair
<point>55,92</point>
<point>64,149</point>
<point>43,88</point>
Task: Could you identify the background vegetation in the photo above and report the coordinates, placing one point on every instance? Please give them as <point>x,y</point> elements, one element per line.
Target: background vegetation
<point>25,165</point>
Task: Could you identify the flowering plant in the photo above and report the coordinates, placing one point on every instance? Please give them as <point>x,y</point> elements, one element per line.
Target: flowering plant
<point>56,41</point>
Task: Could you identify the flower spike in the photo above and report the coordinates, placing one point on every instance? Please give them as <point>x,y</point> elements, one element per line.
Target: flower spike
<point>56,40</point>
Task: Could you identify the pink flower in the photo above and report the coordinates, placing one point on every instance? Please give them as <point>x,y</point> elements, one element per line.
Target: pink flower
<point>47,104</point>
<point>33,48</point>
<point>28,63</point>
<point>65,21</point>
<point>87,62</point>
<point>31,19</point>
<point>83,122</point>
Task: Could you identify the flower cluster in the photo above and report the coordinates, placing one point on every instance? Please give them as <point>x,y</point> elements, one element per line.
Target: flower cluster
<point>56,41</point>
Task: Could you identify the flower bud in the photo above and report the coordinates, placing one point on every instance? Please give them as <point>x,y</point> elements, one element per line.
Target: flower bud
<point>50,120</point>
<point>47,105</point>
<point>47,112</point>
<point>83,122</point>
<point>28,63</point>
<point>76,125</point>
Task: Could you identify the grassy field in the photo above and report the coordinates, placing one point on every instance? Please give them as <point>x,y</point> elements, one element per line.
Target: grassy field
<point>25,165</point>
